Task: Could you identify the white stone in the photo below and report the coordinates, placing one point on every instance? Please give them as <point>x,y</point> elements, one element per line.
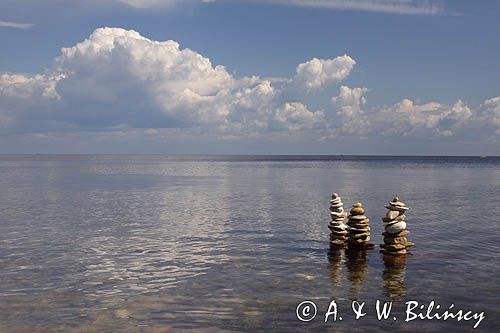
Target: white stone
<point>395,228</point>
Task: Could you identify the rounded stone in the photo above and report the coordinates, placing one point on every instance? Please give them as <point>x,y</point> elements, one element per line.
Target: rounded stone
<point>395,227</point>
<point>392,214</point>
<point>334,196</point>
<point>358,205</point>
<point>357,211</point>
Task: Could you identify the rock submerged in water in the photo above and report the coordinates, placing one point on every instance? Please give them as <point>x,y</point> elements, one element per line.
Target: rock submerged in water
<point>395,241</point>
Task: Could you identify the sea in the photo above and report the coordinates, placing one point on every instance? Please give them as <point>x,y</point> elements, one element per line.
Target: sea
<point>177,243</point>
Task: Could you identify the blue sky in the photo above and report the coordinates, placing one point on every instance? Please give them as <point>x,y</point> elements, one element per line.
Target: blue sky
<point>424,77</point>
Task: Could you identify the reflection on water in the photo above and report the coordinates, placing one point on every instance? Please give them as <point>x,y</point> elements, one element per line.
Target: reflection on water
<point>335,258</point>
<point>155,243</point>
<point>357,269</point>
<point>394,275</point>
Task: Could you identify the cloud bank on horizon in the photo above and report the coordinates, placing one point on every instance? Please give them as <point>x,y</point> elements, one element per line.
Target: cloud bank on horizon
<point>118,81</point>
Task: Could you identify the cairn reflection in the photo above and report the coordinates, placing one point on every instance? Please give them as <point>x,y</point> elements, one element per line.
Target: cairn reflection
<point>394,276</point>
<point>335,258</point>
<point>357,268</point>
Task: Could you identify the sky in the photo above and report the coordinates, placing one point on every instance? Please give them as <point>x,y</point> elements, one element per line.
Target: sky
<point>366,77</point>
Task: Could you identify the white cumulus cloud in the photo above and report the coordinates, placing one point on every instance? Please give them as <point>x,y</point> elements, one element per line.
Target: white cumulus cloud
<point>318,73</point>
<point>119,81</point>
<point>117,78</point>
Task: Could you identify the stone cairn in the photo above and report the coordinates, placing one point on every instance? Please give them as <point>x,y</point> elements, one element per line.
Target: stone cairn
<point>395,242</point>
<point>358,230</point>
<point>337,227</point>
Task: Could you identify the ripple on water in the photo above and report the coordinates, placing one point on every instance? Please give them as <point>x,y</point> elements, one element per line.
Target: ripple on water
<point>145,243</point>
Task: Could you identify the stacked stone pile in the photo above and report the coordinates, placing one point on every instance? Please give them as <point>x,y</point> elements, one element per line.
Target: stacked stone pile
<point>358,228</point>
<point>395,241</point>
<point>337,227</point>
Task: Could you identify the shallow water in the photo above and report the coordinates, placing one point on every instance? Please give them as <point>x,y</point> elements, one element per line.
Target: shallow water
<point>214,243</point>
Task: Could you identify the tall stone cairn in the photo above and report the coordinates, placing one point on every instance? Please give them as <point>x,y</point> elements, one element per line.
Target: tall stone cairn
<point>358,228</point>
<point>395,241</point>
<point>338,234</point>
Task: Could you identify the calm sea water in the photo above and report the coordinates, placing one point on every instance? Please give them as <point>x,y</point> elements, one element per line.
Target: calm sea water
<point>232,243</point>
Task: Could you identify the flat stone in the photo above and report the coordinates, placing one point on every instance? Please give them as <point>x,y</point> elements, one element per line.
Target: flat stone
<point>336,206</point>
<point>393,247</point>
<point>395,227</point>
<point>360,235</point>
<point>335,201</point>
<point>396,208</point>
<point>409,244</point>
<point>394,253</point>
<point>357,231</point>
<point>395,240</point>
<point>341,214</point>
<point>403,233</point>
<point>337,228</point>
<point>356,217</point>
<point>363,222</point>
<point>357,211</point>
<point>357,225</point>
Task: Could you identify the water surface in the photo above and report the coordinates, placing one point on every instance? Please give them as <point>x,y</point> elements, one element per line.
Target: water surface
<point>155,243</point>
